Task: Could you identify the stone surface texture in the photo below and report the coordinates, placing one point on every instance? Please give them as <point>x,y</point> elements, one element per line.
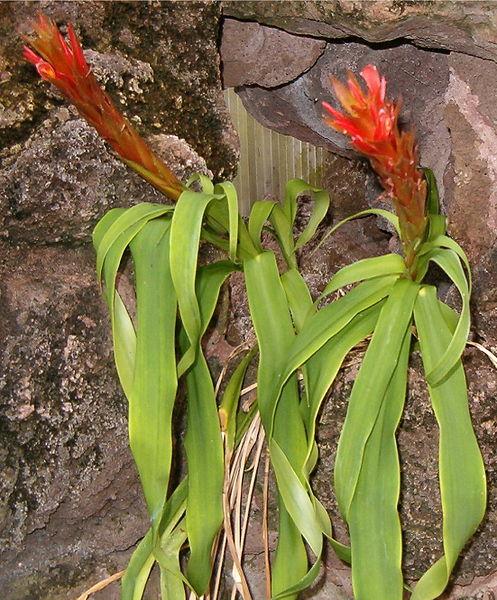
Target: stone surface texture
<point>290,55</point>
<point>70,506</point>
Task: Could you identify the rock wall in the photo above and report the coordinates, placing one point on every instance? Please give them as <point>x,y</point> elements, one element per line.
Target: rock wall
<point>70,506</point>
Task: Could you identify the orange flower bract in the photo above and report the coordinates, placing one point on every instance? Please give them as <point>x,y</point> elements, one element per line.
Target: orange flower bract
<point>64,66</point>
<point>371,122</point>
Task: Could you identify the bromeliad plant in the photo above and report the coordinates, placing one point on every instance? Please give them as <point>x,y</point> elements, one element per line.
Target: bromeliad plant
<point>367,479</point>
<point>296,339</point>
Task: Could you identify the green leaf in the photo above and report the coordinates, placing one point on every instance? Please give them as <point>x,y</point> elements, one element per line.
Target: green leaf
<point>298,296</point>
<point>124,340</point>
<point>289,435</point>
<point>272,322</point>
<point>203,441</point>
<point>259,214</point>
<point>432,201</point>
<point>462,474</point>
<point>229,192</point>
<point>449,261</point>
<point>171,578</point>
<point>321,204</point>
<point>205,183</point>
<point>389,216</point>
<point>323,366</point>
<point>370,386</point>
<point>367,268</point>
<point>289,572</point>
<point>304,582</point>
<point>205,462</point>
<point>209,280</point>
<point>172,538</point>
<point>296,500</point>
<point>138,570</point>
<point>319,327</point>
<point>443,241</point>
<point>155,383</point>
<point>111,238</point>
<point>230,398</point>
<point>283,227</point>
<point>119,226</point>
<point>281,418</point>
<point>283,218</point>
<point>373,519</point>
<point>293,189</point>
<point>185,237</point>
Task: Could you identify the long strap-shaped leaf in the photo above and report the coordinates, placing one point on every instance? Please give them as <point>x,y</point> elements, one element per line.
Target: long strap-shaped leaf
<point>155,381</point>
<point>229,191</point>
<point>324,365</point>
<point>370,386</point>
<point>185,237</point>
<point>319,373</point>
<point>259,214</point>
<point>283,424</point>
<point>203,441</point>
<point>171,583</point>
<point>298,297</point>
<point>386,214</point>
<point>282,359</point>
<point>462,475</point>
<point>172,537</point>
<point>138,570</point>
<point>320,206</point>
<point>367,268</point>
<point>144,556</point>
<point>119,225</point>
<point>373,519</point>
<point>204,455</point>
<point>111,237</point>
<point>322,325</point>
<point>450,262</point>
<point>272,323</point>
<point>204,515</point>
<point>296,516</point>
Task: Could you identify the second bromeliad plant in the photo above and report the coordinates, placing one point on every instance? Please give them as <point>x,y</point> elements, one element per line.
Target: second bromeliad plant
<point>175,301</point>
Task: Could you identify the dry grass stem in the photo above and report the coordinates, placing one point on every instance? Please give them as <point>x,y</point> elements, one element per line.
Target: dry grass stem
<point>265,526</point>
<point>491,356</point>
<point>101,585</point>
<point>236,351</point>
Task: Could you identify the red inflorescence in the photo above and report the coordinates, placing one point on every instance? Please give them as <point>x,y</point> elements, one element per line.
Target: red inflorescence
<point>64,65</point>
<point>371,122</point>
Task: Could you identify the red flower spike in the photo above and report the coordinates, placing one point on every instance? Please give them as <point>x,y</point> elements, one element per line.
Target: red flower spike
<point>64,65</point>
<point>371,122</point>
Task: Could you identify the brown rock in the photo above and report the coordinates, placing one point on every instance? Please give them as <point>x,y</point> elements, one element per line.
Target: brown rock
<point>471,179</point>
<point>71,505</point>
<point>464,26</point>
<point>244,44</point>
